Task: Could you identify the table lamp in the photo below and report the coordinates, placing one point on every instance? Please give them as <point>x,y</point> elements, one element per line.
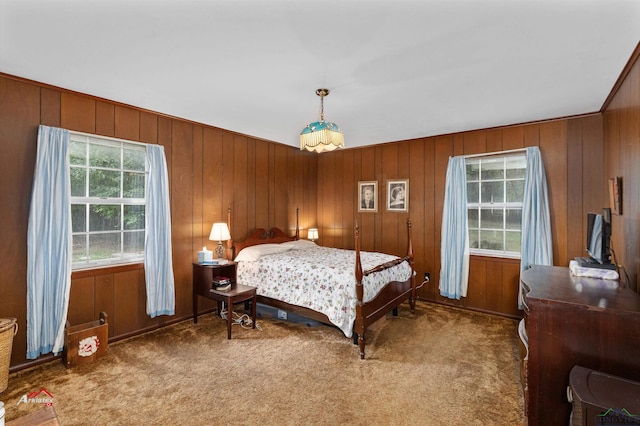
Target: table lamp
<point>219,233</point>
<point>312,234</point>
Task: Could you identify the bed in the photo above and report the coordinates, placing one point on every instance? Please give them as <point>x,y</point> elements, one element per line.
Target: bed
<point>349,289</point>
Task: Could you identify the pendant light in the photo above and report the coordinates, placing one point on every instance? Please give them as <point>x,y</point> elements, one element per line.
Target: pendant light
<point>321,135</point>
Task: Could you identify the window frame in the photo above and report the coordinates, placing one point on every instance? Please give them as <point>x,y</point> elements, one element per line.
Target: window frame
<point>504,205</point>
<point>122,144</point>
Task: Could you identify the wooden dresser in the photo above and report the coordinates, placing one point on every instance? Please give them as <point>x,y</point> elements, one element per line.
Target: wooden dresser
<point>571,321</point>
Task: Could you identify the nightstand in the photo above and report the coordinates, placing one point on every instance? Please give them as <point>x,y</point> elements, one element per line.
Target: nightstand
<point>202,286</point>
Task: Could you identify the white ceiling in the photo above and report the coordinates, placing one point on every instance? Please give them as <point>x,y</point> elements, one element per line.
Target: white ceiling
<point>396,69</point>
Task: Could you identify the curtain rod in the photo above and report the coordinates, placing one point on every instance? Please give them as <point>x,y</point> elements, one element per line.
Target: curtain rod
<point>488,154</point>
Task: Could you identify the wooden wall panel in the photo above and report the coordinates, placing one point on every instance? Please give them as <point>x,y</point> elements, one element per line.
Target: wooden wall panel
<point>77,112</point>
<point>478,284</point>
<point>621,158</point>
<point>148,127</point>
<point>443,149</point>
<point>332,181</point>
<point>419,200</point>
<point>262,196</point>
<point>125,316</point>
<point>50,107</point>
<point>553,146</point>
<point>252,183</point>
<point>475,142</point>
<point>389,230</point>
<point>199,229</point>
<point>326,181</point>
<point>19,118</point>
<point>104,299</point>
<point>212,172</point>
<point>127,123</point>
<point>431,246</point>
<point>182,212</point>
<point>238,194</point>
<point>510,280</point>
<point>575,197</point>
<point>82,291</point>
<point>494,140</point>
<point>105,119</point>
<point>513,137</point>
<point>494,278</point>
<point>350,197</point>
<point>228,164</point>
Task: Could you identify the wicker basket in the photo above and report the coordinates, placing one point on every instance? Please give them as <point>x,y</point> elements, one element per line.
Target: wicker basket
<point>8,329</point>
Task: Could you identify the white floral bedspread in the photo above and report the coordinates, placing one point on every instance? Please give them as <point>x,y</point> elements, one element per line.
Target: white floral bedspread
<point>320,278</point>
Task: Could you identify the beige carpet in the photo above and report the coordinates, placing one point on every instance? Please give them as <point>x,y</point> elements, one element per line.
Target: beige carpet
<point>439,366</point>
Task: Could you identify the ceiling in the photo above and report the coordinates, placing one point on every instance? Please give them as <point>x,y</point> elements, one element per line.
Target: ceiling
<point>396,69</point>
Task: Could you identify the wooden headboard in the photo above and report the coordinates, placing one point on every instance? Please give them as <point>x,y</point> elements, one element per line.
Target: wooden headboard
<point>261,236</point>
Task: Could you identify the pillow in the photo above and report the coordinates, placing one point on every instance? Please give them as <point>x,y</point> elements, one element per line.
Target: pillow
<point>299,244</point>
<point>253,253</point>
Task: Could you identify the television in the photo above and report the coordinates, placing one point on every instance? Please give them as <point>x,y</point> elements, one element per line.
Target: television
<point>599,236</point>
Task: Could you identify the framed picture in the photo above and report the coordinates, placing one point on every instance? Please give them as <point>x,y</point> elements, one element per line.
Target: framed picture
<point>615,195</point>
<point>398,195</point>
<point>368,196</point>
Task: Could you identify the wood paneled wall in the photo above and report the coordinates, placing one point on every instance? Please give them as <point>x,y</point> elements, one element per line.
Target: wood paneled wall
<point>572,152</point>
<point>209,170</point>
<point>622,158</point>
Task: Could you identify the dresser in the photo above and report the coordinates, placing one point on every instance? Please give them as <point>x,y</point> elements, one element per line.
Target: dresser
<point>569,321</point>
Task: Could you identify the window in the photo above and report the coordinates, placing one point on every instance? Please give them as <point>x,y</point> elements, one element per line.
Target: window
<point>495,189</point>
<point>108,200</point>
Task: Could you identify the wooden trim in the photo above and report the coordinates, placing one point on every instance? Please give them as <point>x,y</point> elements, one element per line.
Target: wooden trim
<point>83,273</point>
<point>495,259</point>
<point>625,72</point>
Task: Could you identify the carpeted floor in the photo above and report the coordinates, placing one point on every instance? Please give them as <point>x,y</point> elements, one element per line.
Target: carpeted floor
<point>439,366</point>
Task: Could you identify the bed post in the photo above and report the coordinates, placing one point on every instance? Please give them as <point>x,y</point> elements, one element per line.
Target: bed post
<point>412,299</point>
<point>229,251</point>
<point>297,224</point>
<point>359,324</point>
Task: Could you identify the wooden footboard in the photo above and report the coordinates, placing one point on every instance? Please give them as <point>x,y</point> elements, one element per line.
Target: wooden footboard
<point>389,298</point>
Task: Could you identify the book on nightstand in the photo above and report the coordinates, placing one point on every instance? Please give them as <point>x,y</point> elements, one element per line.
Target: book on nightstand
<point>221,287</point>
<point>221,283</point>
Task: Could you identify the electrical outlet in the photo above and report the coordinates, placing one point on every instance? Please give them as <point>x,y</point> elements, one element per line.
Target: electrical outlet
<point>427,276</point>
<point>282,314</point>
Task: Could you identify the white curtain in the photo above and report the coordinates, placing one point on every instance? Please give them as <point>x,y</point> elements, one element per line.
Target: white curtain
<point>158,266</point>
<point>49,244</point>
<point>536,248</point>
<point>454,251</point>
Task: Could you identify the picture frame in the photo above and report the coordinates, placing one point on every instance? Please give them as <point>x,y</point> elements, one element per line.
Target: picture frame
<point>615,195</point>
<point>398,195</point>
<point>368,196</point>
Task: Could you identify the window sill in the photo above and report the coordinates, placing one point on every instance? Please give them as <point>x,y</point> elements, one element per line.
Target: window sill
<point>102,270</point>
<point>502,259</point>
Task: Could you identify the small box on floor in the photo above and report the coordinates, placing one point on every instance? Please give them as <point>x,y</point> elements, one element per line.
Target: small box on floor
<point>85,342</point>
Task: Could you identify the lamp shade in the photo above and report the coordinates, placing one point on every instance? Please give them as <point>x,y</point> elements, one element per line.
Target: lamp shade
<point>220,232</point>
<point>321,136</point>
<point>312,234</point>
